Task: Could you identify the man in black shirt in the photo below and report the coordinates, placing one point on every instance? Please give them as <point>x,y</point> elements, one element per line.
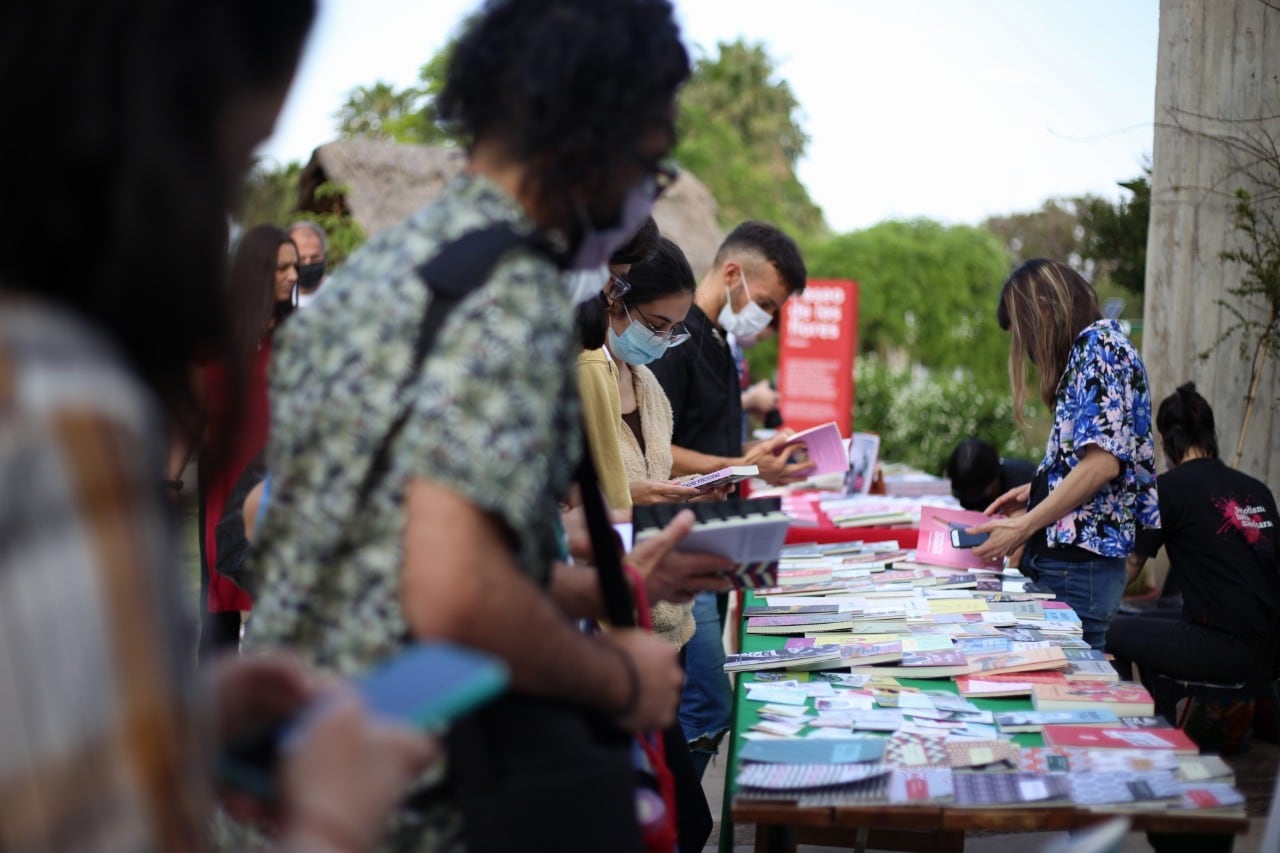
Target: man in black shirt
<point>1219,526</point>
<point>755,270</point>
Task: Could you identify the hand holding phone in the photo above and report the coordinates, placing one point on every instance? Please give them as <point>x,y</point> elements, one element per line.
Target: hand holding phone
<point>960,539</point>
<point>424,687</point>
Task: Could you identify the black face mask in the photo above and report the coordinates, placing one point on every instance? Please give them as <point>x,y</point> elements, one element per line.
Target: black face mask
<point>309,276</point>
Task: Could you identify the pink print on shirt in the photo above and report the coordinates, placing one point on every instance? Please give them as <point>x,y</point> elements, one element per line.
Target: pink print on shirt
<point>1249,521</point>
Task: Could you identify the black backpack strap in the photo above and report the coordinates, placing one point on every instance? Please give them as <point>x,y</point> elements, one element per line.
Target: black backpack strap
<point>618,602</point>
<point>458,270</point>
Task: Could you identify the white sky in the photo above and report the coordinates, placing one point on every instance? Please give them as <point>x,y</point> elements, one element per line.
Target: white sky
<point>949,110</point>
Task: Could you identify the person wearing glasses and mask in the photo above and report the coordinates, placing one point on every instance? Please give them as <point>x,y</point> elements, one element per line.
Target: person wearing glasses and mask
<point>634,322</point>
<point>755,271</point>
<point>569,118</point>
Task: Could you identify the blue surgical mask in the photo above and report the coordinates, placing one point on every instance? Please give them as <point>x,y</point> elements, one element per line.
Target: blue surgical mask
<point>636,345</point>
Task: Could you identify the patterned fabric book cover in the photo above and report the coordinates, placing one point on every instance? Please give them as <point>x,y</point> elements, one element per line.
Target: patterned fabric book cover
<point>981,753</point>
<point>919,784</point>
<point>911,749</point>
<point>1009,789</point>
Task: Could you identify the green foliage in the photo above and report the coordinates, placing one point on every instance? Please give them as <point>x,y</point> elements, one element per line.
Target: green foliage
<point>1052,232</point>
<point>408,115</point>
<point>927,294</point>
<point>1255,314</point>
<point>1256,319</point>
<point>1115,235</point>
<point>740,135</point>
<point>920,416</point>
<point>345,234</point>
<point>269,195</point>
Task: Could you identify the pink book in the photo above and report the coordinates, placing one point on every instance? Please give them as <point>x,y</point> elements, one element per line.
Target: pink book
<point>934,545</point>
<point>823,446</point>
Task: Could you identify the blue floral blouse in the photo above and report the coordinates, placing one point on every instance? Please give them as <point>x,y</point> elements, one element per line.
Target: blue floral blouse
<point>1104,399</point>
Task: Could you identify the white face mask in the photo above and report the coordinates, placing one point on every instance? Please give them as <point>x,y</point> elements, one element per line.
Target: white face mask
<point>746,324</point>
<point>584,285</point>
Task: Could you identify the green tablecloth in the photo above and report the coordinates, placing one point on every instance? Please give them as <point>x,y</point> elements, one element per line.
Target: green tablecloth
<point>746,713</point>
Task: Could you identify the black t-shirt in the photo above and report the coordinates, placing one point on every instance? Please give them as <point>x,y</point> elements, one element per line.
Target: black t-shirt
<point>701,381</point>
<point>1219,527</point>
<point>1015,472</point>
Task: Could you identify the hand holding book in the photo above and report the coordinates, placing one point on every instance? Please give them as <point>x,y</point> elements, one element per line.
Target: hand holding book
<point>677,576</point>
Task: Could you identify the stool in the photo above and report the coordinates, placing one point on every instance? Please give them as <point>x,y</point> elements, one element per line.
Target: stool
<point>1217,716</point>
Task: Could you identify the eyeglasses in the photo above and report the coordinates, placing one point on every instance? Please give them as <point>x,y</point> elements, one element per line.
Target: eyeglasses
<point>677,334</point>
<point>618,288</point>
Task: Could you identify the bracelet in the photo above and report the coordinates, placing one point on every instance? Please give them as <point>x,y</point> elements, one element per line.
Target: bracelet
<point>633,682</point>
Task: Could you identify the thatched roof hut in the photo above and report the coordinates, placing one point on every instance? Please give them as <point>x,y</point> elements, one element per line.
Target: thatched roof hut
<point>383,182</point>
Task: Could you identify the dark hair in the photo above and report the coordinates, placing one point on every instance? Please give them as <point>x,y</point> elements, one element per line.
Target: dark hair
<point>142,150</point>
<point>567,86</point>
<point>641,245</point>
<point>1185,420</point>
<point>251,296</point>
<point>590,317</point>
<point>1043,305</point>
<point>971,468</point>
<point>771,244</point>
<point>666,271</point>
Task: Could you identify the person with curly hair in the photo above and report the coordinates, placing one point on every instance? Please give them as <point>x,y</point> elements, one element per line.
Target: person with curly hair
<point>567,110</point>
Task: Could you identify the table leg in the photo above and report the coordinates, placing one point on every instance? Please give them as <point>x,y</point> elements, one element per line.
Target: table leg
<point>772,838</point>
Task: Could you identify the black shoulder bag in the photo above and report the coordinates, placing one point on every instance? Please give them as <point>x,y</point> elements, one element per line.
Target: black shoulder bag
<point>527,773</point>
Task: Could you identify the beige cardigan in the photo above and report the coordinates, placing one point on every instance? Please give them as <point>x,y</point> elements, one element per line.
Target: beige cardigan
<point>672,621</point>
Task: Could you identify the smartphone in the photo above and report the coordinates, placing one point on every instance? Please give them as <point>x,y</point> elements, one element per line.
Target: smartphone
<point>425,686</point>
<point>960,539</point>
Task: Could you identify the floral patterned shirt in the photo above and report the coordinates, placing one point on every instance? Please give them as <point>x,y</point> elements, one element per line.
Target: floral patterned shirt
<point>1104,399</point>
<point>495,418</point>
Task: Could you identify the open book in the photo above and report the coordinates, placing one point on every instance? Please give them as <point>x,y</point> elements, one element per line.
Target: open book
<point>823,446</point>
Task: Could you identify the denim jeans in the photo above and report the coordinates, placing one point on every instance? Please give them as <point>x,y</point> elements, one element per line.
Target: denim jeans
<point>1092,588</point>
<point>706,702</point>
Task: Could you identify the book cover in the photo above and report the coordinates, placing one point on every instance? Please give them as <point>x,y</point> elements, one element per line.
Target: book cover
<point>780,658</point>
<point>1091,737</point>
<point>1023,660</point>
<point>934,544</point>
<point>784,609</point>
<point>1122,698</point>
<point>998,686</point>
<point>1008,789</point>
<point>919,784</point>
<point>981,753</point>
<point>1034,721</point>
<point>864,449</point>
<point>821,445</point>
<point>912,749</point>
<point>798,623</point>
<point>849,750</point>
<point>1053,759</point>
<point>723,477</point>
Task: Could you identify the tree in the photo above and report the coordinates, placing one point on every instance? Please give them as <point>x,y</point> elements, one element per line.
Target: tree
<point>407,115</point>
<point>927,294</point>
<point>1115,234</point>
<point>740,135</point>
<point>1053,231</point>
<point>269,195</point>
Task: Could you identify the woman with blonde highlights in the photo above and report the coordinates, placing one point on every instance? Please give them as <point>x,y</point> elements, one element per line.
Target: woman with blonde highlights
<point>1097,482</point>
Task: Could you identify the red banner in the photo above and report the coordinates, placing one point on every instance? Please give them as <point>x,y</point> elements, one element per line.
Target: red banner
<point>815,355</point>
